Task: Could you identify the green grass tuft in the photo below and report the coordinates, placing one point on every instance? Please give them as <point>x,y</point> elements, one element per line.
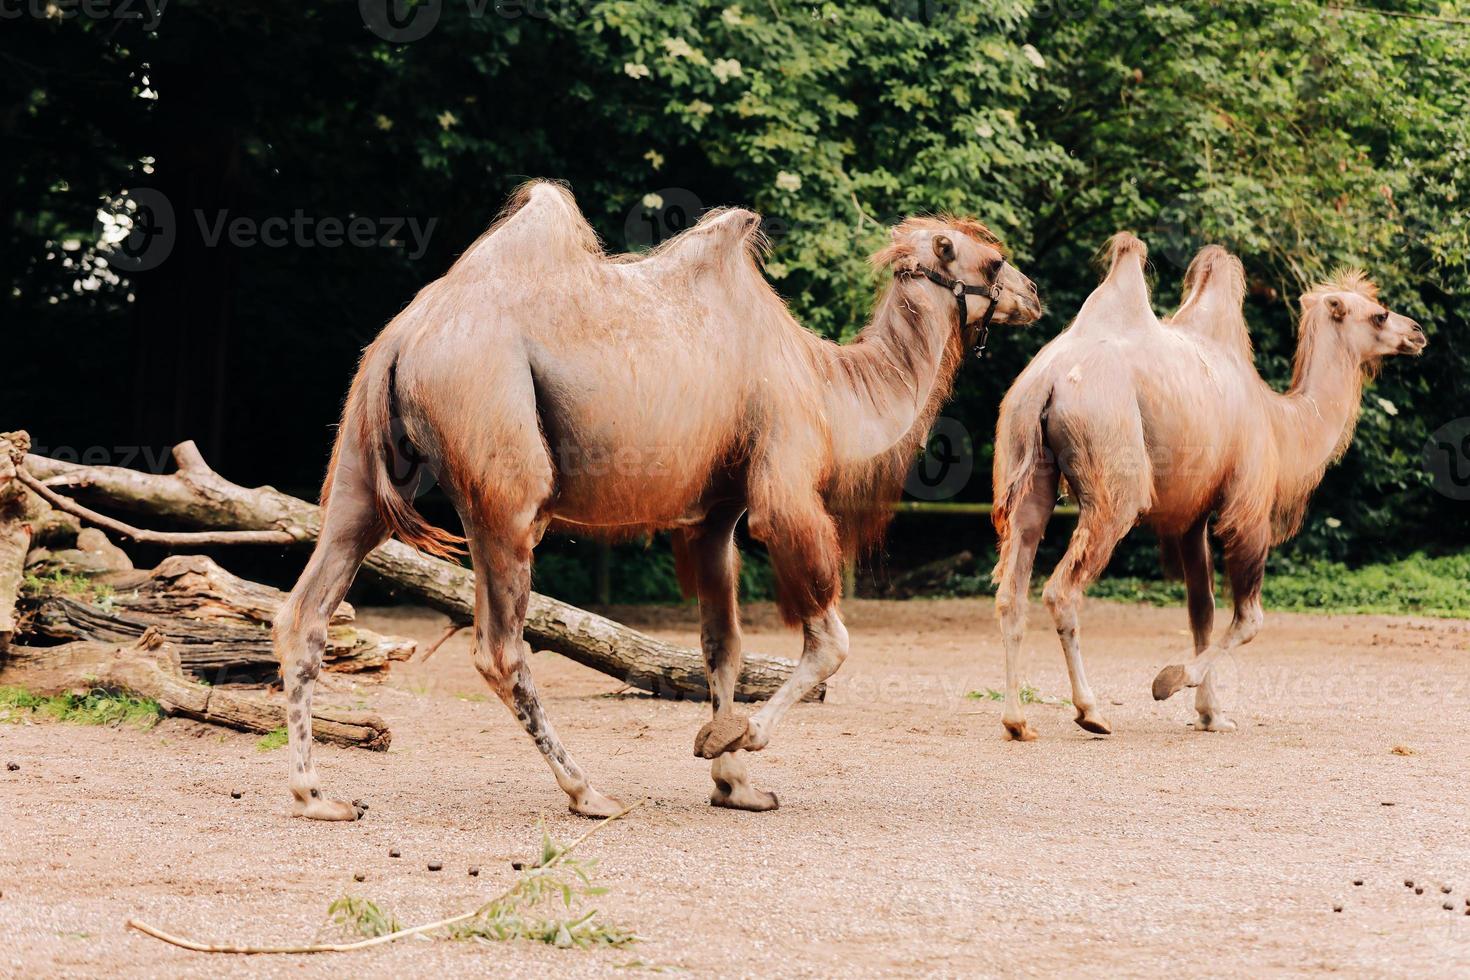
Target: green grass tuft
<point>547,904</point>
<point>1029,695</point>
<point>64,583</point>
<point>361,917</point>
<point>94,708</point>
<point>271,741</point>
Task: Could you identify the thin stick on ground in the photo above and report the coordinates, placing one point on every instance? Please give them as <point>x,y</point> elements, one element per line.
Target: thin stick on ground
<point>199,947</point>
<point>450,631</point>
<point>169,539</point>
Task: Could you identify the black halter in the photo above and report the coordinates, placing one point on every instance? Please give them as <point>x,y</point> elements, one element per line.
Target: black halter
<point>961,289</point>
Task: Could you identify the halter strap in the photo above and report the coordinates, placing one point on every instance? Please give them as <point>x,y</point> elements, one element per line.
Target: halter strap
<point>961,289</point>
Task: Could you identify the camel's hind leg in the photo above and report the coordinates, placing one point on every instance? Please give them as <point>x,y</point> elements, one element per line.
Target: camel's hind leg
<point>350,529</point>
<point>1024,527</point>
<point>714,566</point>
<point>500,546</point>
<point>1099,530</point>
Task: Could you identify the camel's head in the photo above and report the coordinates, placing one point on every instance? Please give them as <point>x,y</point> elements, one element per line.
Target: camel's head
<point>963,250</point>
<point>1348,305</point>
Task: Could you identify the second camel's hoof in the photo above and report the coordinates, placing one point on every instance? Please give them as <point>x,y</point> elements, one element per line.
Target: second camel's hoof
<point>1213,723</point>
<point>1093,721</point>
<point>320,808</point>
<point>1018,731</point>
<point>743,797</point>
<point>722,734</point>
<point>1170,681</point>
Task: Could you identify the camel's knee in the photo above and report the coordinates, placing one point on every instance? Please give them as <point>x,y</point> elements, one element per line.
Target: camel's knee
<point>1060,598</point>
<point>827,643</point>
<point>1248,622</point>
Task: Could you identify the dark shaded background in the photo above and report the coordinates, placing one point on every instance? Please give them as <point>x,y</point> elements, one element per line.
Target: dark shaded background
<point>1099,116</point>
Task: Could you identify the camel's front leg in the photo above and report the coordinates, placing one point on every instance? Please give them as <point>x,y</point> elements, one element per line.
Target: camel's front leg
<point>1245,559</point>
<point>823,652</point>
<point>807,563</point>
<point>707,558</point>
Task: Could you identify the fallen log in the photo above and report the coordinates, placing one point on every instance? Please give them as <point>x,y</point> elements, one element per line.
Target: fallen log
<point>219,623</point>
<point>17,517</point>
<point>196,497</point>
<point>150,669</point>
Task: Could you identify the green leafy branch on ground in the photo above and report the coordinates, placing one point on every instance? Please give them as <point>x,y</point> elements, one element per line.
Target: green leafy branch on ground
<point>93,708</point>
<point>1029,695</point>
<point>546,904</point>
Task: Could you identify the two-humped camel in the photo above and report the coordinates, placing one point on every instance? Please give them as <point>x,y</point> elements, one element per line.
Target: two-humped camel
<point>544,383</point>
<point>1169,423</point>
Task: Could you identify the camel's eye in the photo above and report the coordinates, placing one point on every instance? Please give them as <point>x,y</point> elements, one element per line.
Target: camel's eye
<point>1380,318</point>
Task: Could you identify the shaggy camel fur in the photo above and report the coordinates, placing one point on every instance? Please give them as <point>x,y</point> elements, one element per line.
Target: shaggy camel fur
<point>1169,423</point>
<point>544,384</point>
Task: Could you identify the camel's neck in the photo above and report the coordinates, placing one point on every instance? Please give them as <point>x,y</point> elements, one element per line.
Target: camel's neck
<point>1313,422</point>
<point>889,381</point>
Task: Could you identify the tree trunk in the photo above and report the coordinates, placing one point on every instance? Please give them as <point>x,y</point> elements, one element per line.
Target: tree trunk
<point>151,670</point>
<point>218,622</point>
<point>196,497</point>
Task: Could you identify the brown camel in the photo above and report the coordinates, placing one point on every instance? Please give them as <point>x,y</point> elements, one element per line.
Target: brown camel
<point>1169,423</point>
<point>544,383</point>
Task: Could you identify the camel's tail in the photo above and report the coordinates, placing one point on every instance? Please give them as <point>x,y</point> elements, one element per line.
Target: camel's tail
<point>394,466</point>
<point>1020,445</point>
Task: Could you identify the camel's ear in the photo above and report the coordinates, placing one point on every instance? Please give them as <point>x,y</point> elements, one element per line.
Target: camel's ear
<point>944,248</point>
<point>1336,307</point>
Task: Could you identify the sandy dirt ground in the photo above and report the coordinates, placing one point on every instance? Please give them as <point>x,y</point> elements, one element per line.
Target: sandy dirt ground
<point>911,838</point>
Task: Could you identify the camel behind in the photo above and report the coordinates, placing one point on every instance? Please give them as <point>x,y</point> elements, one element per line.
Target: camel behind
<point>1170,424</point>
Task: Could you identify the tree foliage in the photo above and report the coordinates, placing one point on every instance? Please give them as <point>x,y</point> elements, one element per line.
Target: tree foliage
<point>1300,134</point>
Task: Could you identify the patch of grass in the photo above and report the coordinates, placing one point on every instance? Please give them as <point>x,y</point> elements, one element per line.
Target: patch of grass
<point>94,708</point>
<point>548,904</point>
<point>271,741</point>
<point>1029,695</point>
<point>68,584</point>
<point>1413,586</point>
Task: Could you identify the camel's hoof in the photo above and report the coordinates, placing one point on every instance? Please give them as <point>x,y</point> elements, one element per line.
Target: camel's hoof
<point>742,797</point>
<point>1213,723</point>
<point>1170,680</point>
<point>723,734</point>
<point>318,808</point>
<point>593,804</point>
<point>1094,722</point>
<point>1018,731</point>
